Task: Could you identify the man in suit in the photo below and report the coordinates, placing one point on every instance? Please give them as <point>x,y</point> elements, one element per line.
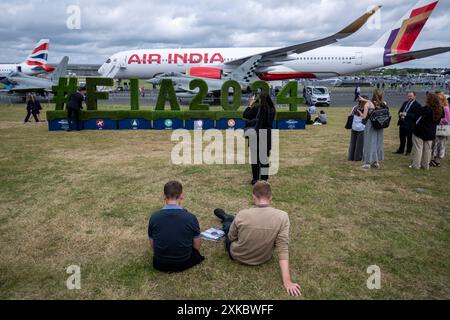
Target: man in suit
<point>74,106</point>
<point>406,121</point>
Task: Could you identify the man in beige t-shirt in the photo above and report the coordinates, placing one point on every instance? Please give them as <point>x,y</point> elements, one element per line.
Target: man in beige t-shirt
<point>253,234</point>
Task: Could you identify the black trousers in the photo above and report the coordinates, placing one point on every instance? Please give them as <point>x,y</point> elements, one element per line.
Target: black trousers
<point>74,115</point>
<point>195,259</point>
<point>356,148</point>
<point>260,156</point>
<point>29,113</point>
<point>226,224</point>
<point>405,140</point>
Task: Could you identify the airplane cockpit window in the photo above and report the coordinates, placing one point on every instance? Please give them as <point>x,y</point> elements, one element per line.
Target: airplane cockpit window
<point>108,61</point>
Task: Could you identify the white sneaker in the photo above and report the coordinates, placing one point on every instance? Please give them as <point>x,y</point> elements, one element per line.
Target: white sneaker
<point>366,166</point>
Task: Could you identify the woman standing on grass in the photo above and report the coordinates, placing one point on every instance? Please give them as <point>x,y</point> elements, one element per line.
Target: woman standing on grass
<point>424,133</point>
<point>355,150</point>
<point>441,141</point>
<point>259,116</point>
<point>37,108</point>
<point>31,108</point>
<point>373,151</point>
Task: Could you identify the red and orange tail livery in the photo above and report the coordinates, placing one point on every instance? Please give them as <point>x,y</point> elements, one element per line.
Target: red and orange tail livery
<point>402,37</point>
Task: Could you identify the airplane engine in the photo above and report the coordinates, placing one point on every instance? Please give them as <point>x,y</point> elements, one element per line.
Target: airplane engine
<point>206,72</point>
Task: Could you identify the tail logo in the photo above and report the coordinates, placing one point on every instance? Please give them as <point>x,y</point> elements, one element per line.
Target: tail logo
<point>402,39</point>
<point>39,55</point>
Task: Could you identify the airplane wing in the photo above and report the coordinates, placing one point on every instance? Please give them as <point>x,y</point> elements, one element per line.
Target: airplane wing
<point>419,54</point>
<point>21,88</point>
<point>279,55</point>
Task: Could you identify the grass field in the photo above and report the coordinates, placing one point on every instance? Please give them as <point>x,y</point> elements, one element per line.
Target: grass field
<point>85,198</point>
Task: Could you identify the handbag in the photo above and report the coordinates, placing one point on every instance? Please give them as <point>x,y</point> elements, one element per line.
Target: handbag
<point>443,131</point>
<point>349,122</point>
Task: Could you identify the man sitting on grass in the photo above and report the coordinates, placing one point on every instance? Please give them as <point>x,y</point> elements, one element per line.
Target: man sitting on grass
<point>253,234</point>
<point>174,233</point>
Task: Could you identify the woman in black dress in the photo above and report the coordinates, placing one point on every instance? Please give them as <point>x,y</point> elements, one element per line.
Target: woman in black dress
<point>259,116</point>
<point>31,108</point>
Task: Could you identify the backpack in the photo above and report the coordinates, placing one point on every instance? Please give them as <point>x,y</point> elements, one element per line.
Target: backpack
<point>380,118</point>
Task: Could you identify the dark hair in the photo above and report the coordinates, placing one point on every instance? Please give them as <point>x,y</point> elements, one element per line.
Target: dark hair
<point>435,105</point>
<point>413,92</point>
<point>262,190</point>
<point>173,190</point>
<point>266,105</point>
<point>322,112</point>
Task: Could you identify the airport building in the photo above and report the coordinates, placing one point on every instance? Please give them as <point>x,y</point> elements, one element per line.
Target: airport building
<point>83,70</point>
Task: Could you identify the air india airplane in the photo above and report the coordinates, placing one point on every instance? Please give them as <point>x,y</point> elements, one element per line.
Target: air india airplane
<point>314,59</point>
<point>36,62</point>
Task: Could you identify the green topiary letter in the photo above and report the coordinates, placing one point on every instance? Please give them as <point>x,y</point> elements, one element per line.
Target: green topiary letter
<point>167,93</point>
<point>93,95</point>
<point>261,85</point>
<point>289,95</point>
<point>63,91</point>
<point>134,94</point>
<point>237,95</point>
<point>196,102</point>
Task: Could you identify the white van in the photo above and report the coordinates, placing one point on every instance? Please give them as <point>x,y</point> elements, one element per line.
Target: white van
<point>316,95</point>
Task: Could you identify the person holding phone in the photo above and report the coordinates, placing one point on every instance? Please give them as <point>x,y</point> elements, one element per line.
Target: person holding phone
<point>259,116</point>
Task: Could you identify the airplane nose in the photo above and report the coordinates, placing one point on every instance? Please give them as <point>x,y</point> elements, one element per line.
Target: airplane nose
<point>154,81</point>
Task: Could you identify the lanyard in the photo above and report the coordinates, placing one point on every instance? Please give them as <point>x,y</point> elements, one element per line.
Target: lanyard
<point>409,106</point>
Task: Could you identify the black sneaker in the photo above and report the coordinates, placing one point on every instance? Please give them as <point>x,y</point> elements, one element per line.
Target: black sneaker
<point>220,213</point>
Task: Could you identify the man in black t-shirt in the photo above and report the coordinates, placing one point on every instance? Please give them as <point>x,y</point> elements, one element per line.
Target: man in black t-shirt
<point>174,233</point>
<point>74,106</point>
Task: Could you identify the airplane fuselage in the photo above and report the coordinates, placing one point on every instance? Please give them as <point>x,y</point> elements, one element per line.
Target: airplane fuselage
<point>7,69</point>
<point>325,62</point>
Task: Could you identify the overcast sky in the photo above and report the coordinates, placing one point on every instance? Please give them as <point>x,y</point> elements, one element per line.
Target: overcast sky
<point>109,26</point>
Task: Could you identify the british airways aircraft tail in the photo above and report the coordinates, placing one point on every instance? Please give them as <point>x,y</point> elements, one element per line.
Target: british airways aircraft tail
<point>37,60</point>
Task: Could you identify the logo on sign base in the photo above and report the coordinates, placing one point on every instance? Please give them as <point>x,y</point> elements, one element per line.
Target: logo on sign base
<point>100,124</point>
<point>135,124</point>
<point>198,125</point>
<point>231,123</point>
<point>168,123</point>
<point>292,124</point>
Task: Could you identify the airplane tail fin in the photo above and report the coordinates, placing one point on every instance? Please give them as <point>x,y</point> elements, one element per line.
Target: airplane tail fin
<point>39,56</point>
<point>246,71</point>
<point>402,36</point>
<point>60,70</point>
